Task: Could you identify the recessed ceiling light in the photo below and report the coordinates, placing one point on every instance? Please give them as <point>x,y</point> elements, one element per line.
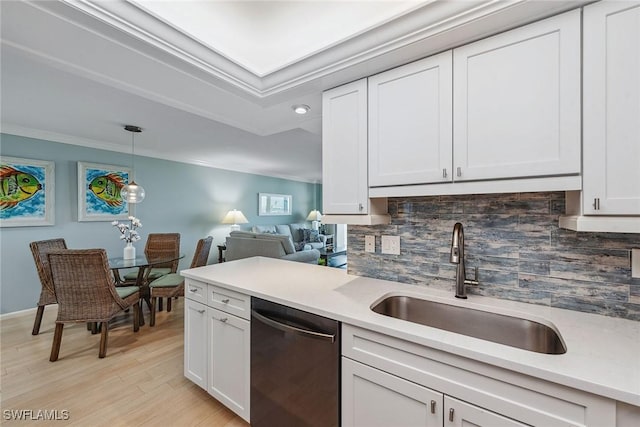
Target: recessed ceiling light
<point>301,108</point>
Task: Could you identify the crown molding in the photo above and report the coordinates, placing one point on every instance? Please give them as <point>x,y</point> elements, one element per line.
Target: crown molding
<point>409,30</point>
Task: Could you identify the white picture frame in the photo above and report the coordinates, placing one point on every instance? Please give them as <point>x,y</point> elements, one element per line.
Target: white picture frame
<point>28,204</point>
<point>99,192</point>
<point>274,204</point>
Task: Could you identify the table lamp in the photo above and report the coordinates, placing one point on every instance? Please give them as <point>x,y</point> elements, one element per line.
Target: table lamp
<point>314,216</point>
<point>235,217</point>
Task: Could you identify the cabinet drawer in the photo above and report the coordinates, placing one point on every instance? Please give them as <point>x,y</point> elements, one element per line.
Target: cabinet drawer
<point>230,301</point>
<point>196,291</point>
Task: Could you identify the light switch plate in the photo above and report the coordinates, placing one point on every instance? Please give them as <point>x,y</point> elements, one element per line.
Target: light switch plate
<point>635,263</point>
<point>391,245</point>
<point>370,244</point>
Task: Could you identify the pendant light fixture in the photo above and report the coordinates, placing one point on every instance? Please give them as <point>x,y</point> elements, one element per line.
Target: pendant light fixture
<point>132,192</point>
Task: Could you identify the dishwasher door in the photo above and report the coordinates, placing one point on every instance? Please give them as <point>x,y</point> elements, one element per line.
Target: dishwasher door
<point>295,367</point>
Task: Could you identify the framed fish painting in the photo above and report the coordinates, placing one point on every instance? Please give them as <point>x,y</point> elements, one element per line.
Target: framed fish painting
<point>99,189</point>
<point>27,191</point>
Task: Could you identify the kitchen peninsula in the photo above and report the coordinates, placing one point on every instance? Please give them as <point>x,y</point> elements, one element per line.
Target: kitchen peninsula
<point>596,382</point>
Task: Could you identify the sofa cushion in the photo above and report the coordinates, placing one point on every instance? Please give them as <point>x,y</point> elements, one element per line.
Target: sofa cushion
<point>310,236</point>
<point>266,229</point>
<point>284,229</point>
<point>295,232</point>
<point>245,234</point>
<point>286,241</point>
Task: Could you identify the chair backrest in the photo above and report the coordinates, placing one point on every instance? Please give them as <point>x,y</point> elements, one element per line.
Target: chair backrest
<point>201,255</point>
<point>83,283</point>
<point>39,250</point>
<point>162,245</point>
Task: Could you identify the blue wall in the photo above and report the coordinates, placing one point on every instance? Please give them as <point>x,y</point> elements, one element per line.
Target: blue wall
<point>188,199</point>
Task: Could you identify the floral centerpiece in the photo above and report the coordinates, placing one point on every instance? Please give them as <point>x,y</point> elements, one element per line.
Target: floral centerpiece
<point>129,233</point>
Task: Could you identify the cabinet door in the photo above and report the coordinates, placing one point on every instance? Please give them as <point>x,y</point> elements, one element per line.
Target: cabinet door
<point>344,149</point>
<point>460,414</point>
<point>195,342</point>
<point>410,114</point>
<point>373,398</point>
<point>611,182</point>
<point>517,102</point>
<point>229,365</point>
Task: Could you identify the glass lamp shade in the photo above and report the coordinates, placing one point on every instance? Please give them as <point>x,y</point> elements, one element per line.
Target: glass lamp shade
<point>132,193</point>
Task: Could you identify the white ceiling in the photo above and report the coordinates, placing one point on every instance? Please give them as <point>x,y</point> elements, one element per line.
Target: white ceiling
<point>213,82</point>
<point>266,36</point>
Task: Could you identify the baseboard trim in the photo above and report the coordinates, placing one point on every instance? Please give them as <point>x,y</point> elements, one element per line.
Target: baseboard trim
<point>25,312</point>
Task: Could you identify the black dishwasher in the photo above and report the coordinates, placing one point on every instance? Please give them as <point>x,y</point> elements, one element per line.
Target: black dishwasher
<point>295,367</point>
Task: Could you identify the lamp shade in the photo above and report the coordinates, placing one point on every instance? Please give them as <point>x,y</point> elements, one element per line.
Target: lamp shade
<point>314,215</point>
<point>235,217</point>
<point>133,193</point>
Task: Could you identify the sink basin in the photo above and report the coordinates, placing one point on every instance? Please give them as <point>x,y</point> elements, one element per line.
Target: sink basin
<point>508,330</point>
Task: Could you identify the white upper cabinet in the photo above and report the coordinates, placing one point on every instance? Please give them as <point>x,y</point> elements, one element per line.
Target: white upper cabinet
<point>410,134</point>
<point>516,100</point>
<point>611,181</point>
<point>344,149</point>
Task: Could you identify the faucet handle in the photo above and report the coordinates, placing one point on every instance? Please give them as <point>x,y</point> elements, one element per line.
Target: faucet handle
<point>475,278</point>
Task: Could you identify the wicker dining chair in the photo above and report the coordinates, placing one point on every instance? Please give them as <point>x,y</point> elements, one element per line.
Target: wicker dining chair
<point>159,245</point>
<point>86,292</point>
<point>39,250</point>
<point>172,285</point>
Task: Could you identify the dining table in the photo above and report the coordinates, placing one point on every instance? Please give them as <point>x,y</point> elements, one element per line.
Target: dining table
<point>144,266</point>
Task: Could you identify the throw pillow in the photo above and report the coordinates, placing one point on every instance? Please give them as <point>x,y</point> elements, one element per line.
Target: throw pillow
<point>310,236</point>
<point>299,246</point>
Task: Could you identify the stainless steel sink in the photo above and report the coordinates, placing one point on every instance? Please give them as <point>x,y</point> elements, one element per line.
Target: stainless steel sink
<point>508,330</point>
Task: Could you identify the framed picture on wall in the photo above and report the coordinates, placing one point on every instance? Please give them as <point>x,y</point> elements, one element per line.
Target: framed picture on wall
<point>99,189</point>
<point>27,192</point>
<point>274,204</point>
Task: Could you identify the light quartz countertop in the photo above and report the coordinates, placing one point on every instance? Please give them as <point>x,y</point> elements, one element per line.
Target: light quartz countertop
<point>603,353</point>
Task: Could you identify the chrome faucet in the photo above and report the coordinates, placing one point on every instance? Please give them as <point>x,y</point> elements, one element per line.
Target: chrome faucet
<point>457,257</point>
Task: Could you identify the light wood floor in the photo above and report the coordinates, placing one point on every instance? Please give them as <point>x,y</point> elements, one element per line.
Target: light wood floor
<point>139,383</point>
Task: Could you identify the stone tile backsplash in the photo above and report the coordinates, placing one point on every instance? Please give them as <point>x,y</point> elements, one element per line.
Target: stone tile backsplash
<point>515,242</point>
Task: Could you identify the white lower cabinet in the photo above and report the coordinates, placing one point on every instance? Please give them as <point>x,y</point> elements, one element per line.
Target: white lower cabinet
<point>387,381</point>
<point>195,342</point>
<point>373,398</point>
<point>229,367</point>
<point>217,338</point>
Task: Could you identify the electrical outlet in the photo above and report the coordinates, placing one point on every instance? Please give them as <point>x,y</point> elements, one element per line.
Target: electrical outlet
<point>370,244</point>
<point>391,245</point>
<point>635,263</point>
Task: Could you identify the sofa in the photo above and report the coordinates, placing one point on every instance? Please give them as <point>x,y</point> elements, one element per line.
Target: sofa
<point>245,244</point>
<point>301,235</point>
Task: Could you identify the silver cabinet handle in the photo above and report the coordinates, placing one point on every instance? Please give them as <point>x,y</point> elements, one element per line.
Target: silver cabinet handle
<point>193,290</point>
<point>200,311</point>
<point>291,329</point>
<point>451,414</point>
<point>225,301</point>
<point>433,406</point>
<point>360,207</point>
<point>459,171</point>
<point>444,172</point>
<point>596,203</point>
<point>224,319</point>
